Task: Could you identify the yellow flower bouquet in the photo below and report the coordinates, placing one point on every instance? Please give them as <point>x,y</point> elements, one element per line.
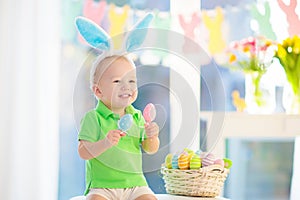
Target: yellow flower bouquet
<point>288,54</point>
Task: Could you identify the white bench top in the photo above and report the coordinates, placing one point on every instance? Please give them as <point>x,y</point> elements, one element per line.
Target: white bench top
<point>168,197</point>
<point>175,197</point>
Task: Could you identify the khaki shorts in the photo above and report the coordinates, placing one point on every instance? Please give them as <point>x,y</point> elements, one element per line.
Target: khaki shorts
<point>121,194</point>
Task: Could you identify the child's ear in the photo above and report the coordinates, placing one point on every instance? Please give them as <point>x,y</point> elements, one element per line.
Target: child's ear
<point>97,91</point>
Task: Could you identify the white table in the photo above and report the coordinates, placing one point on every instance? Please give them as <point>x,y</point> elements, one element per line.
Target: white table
<point>167,197</point>
<point>177,197</point>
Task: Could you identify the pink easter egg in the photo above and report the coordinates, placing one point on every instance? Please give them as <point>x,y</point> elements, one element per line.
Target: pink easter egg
<point>219,162</point>
<point>207,159</point>
<point>149,112</point>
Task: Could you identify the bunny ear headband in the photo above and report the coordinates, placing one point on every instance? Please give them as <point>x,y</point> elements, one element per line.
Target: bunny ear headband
<point>97,38</point>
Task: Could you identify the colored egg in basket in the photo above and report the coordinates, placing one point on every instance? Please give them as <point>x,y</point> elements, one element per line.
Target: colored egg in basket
<point>219,162</point>
<point>168,161</point>
<point>175,162</point>
<point>195,162</point>
<point>227,163</point>
<point>183,161</point>
<point>207,159</point>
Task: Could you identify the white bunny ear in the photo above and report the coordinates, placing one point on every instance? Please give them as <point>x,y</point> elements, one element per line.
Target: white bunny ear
<point>93,34</point>
<point>137,35</point>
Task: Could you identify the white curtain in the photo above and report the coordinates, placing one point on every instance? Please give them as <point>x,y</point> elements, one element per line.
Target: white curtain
<point>29,74</point>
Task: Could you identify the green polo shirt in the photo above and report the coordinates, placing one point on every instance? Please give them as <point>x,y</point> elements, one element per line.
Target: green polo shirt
<point>120,166</point>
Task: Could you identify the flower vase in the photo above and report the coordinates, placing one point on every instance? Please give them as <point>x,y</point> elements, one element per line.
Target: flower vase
<point>291,100</point>
<point>295,107</point>
<point>259,94</point>
<point>279,107</point>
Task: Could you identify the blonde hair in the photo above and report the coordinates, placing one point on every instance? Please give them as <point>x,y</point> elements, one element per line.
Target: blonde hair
<point>102,64</point>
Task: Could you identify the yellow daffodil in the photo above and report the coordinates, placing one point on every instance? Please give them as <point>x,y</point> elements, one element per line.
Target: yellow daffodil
<point>288,54</point>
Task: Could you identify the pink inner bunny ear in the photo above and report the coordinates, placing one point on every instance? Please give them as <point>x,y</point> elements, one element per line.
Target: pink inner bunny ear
<point>93,34</point>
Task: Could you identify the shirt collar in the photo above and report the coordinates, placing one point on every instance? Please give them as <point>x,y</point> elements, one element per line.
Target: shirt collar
<point>106,112</point>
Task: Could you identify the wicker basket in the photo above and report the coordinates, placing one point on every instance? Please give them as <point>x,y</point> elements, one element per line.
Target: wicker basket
<point>205,182</point>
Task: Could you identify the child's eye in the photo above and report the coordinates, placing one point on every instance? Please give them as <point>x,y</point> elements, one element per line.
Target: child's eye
<point>132,81</point>
<point>116,81</point>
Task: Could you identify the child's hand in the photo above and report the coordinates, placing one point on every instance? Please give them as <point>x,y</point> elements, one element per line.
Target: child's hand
<point>112,138</point>
<point>151,129</point>
<point>151,143</point>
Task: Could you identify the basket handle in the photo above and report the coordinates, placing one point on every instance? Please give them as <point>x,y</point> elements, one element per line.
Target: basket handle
<point>215,168</point>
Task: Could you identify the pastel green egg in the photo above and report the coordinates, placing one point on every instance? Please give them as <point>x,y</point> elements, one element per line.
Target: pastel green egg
<point>195,162</point>
<point>227,163</point>
<point>168,161</point>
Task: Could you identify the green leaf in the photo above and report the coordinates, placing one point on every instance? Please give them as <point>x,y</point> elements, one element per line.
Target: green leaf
<point>290,60</point>
<point>297,65</point>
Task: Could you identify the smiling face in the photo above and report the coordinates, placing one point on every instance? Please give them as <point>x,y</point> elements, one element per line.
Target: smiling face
<point>117,87</point>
